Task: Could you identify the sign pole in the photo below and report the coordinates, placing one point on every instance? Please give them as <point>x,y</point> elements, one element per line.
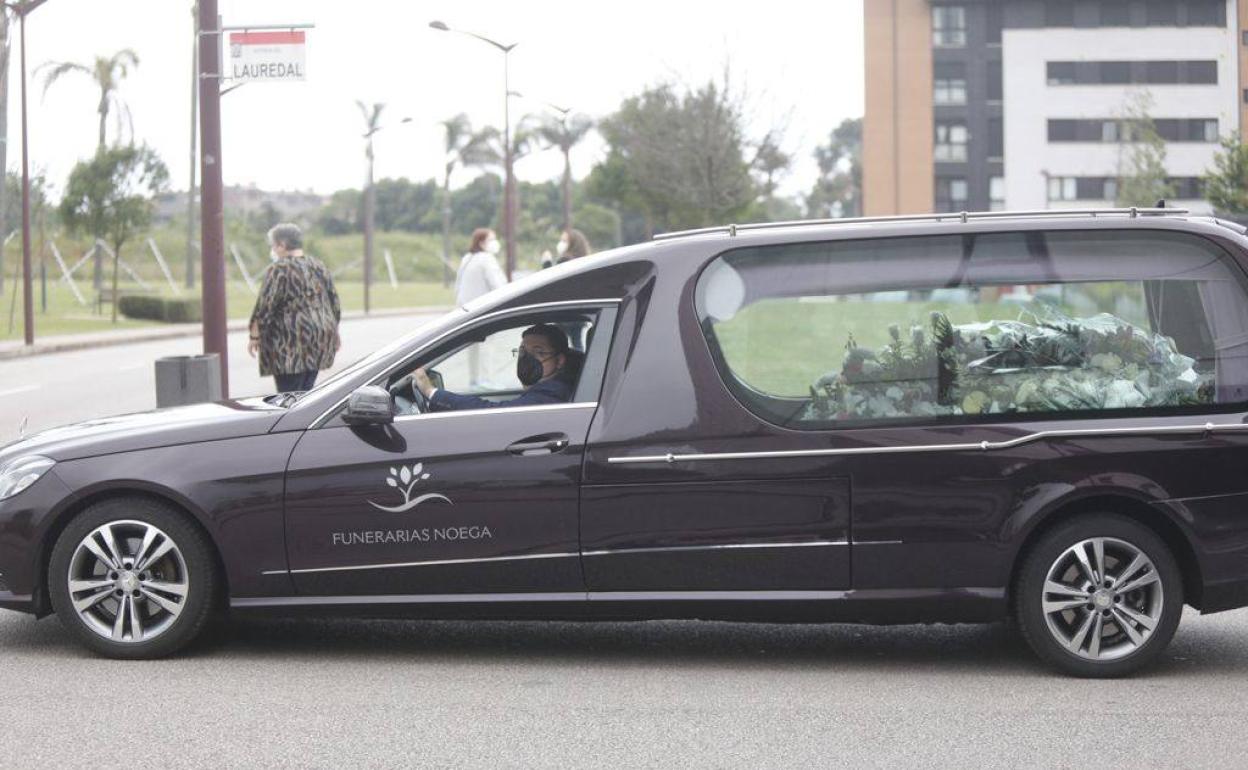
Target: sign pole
<point>212,215</point>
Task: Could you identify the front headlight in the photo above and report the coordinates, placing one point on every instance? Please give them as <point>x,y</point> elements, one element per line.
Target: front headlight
<point>18,474</point>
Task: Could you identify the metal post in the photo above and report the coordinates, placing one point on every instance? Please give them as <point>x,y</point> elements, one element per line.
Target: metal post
<point>509,193</point>
<point>27,292</point>
<point>212,216</point>
<point>190,187</point>
<point>369,202</point>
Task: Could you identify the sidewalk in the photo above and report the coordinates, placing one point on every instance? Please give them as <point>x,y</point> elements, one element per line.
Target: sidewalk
<point>60,343</point>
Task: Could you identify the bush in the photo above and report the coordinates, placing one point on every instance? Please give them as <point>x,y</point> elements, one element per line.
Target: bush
<point>167,309</point>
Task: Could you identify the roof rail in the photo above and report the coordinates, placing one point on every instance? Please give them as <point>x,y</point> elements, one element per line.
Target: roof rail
<point>962,216</point>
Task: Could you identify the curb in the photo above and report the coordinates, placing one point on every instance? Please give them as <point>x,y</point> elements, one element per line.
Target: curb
<point>155,334</point>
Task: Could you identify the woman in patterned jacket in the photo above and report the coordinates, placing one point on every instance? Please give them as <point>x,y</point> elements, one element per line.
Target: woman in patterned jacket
<point>294,326</point>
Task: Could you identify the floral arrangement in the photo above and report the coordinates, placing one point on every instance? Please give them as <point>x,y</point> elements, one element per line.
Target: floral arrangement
<point>1055,363</point>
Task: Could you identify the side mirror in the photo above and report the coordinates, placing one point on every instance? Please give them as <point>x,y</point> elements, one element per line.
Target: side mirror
<point>369,405</point>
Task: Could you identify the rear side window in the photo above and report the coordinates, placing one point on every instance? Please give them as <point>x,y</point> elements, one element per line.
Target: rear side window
<point>966,328</point>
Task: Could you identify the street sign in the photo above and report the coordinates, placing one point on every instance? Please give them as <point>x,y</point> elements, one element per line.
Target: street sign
<point>268,55</point>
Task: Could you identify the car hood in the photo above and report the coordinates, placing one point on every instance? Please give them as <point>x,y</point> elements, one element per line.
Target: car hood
<point>148,430</point>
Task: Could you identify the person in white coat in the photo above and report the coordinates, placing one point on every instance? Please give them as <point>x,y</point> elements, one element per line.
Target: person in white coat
<point>479,272</point>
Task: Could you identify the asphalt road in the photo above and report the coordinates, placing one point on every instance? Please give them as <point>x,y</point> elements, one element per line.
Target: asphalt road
<point>316,693</point>
<point>60,388</point>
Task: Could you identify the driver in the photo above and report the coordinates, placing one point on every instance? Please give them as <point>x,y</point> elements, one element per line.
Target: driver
<point>542,366</point>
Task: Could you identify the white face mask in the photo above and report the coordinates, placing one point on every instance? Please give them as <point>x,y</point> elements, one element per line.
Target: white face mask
<point>273,255</point>
<point>561,247</point>
<point>492,246</point>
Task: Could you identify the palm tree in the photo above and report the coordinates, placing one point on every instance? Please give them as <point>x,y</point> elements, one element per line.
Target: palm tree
<point>107,72</point>
<point>372,123</point>
<point>565,132</point>
<point>463,148</point>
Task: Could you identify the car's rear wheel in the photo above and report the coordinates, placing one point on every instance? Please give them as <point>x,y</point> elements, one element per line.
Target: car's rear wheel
<point>132,578</point>
<point>1099,596</point>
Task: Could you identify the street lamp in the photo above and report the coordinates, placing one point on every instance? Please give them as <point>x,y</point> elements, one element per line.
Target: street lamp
<point>509,181</point>
<point>28,299</point>
<point>370,203</point>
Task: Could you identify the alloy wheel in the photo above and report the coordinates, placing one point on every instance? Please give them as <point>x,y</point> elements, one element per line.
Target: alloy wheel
<point>1102,599</point>
<point>128,581</point>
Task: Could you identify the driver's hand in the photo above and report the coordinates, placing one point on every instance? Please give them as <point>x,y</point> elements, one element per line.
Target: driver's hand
<point>421,381</point>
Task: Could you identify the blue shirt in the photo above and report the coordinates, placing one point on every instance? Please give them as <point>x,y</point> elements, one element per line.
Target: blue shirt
<point>556,390</point>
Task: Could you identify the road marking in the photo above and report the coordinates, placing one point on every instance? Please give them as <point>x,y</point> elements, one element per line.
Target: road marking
<point>15,391</point>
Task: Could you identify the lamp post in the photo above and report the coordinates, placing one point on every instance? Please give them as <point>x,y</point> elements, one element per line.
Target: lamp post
<point>509,181</point>
<point>370,205</point>
<point>28,299</point>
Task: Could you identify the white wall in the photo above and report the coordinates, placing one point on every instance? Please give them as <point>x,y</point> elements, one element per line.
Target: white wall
<point>1030,102</point>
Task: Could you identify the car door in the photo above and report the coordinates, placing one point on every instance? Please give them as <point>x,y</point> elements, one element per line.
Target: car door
<point>652,527</point>
<point>479,501</point>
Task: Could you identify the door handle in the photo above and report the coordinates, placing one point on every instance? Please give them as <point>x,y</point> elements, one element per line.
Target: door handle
<point>539,445</point>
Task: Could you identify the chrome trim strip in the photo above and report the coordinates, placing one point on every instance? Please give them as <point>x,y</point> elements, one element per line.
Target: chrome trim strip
<point>497,410</point>
<point>871,594</point>
<point>1207,428</point>
<point>430,563</point>
<point>662,549</point>
<point>460,327</point>
<point>296,601</point>
<point>953,216</point>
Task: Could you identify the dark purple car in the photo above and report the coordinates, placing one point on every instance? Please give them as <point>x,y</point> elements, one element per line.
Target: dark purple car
<point>932,419</point>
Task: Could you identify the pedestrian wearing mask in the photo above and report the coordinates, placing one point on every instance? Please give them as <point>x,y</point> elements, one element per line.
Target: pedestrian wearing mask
<point>479,273</point>
<point>294,326</point>
<point>572,245</point>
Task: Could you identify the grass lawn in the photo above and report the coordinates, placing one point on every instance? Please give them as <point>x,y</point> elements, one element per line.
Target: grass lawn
<point>65,316</point>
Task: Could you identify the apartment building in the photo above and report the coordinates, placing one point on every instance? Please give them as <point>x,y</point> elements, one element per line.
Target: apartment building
<point>1025,104</point>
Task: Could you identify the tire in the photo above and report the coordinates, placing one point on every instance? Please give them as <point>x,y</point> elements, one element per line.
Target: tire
<point>1099,632</point>
<point>150,603</point>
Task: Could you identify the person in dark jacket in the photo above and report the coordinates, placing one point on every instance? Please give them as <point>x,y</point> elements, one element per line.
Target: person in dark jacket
<point>294,326</point>
<point>544,365</point>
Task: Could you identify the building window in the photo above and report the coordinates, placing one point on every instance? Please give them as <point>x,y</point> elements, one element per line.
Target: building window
<point>1246,96</point>
<point>1061,73</point>
<point>951,140</point>
<point>1059,13</point>
<point>995,23</point>
<point>949,91</point>
<point>1114,130</point>
<point>1109,189</point>
<point>996,193</point>
<point>1168,72</point>
<point>1063,188</point>
<point>948,26</point>
<point>994,81</point>
<point>1161,13</point>
<point>1115,13</point>
<point>951,194</point>
<point>996,138</point>
<point>1205,13</point>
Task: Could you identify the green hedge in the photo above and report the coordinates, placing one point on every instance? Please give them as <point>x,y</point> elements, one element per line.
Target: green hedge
<point>167,309</point>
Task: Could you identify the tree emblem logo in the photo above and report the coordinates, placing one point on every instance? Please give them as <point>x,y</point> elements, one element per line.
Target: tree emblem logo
<point>405,479</point>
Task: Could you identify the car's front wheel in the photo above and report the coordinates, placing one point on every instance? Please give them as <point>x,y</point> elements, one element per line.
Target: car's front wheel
<point>1099,596</point>
<point>132,578</point>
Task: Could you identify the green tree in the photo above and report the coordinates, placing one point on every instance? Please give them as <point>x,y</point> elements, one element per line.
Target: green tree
<point>464,148</point>
<point>1142,179</point>
<point>110,197</point>
<point>107,72</point>
<point>563,133</point>
<point>1226,184</point>
<point>838,190</point>
<point>678,156</point>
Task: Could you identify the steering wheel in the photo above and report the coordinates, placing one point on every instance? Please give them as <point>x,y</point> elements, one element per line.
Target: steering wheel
<point>407,397</point>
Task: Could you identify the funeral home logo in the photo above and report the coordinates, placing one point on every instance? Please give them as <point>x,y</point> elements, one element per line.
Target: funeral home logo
<point>405,479</point>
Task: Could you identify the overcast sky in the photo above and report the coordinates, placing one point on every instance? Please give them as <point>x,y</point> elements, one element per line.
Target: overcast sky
<point>799,63</point>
